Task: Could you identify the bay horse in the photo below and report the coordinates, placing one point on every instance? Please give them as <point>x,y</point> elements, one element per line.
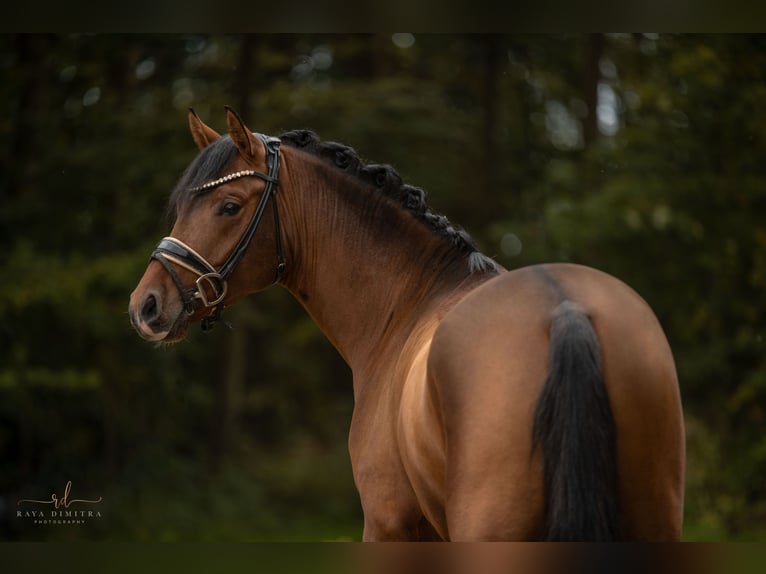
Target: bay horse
<point>540,403</point>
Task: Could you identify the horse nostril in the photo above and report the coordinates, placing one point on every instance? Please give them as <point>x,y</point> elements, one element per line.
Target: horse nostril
<point>150,310</point>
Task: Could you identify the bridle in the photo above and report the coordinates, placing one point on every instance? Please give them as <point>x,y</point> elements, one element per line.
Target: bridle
<point>210,287</point>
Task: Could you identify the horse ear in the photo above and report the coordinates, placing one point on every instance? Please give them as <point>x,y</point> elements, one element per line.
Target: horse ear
<point>241,135</point>
<point>203,135</point>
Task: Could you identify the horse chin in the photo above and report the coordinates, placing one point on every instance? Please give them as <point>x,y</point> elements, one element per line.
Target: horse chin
<point>168,333</point>
<point>178,330</point>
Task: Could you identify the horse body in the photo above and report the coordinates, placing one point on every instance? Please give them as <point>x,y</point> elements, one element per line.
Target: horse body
<point>470,421</point>
<point>455,420</point>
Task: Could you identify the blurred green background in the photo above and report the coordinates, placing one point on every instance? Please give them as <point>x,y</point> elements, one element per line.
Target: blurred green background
<point>641,154</point>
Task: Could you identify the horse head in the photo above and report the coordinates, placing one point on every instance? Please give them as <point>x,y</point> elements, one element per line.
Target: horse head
<point>223,243</point>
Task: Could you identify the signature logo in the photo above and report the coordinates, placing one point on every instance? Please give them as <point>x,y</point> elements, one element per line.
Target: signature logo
<point>61,514</point>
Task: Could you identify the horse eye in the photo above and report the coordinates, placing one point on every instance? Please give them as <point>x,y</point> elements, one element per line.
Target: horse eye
<point>230,208</point>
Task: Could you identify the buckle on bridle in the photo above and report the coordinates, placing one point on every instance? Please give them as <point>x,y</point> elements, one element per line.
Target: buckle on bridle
<point>216,283</point>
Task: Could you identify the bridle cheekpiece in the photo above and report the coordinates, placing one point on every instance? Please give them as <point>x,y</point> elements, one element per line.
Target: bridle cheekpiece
<point>210,287</point>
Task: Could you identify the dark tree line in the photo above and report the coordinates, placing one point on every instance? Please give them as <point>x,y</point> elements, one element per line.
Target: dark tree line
<point>639,154</point>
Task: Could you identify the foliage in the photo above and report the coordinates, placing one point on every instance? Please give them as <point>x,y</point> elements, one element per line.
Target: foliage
<point>637,154</point>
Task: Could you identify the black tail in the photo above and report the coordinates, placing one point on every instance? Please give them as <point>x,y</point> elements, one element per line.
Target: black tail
<point>575,431</point>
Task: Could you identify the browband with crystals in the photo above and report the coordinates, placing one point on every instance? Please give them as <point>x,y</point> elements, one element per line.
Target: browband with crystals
<point>231,176</point>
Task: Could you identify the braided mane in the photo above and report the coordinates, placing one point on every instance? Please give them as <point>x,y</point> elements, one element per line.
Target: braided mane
<point>386,180</point>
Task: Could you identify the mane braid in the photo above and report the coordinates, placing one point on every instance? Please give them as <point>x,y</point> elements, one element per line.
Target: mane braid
<point>384,179</point>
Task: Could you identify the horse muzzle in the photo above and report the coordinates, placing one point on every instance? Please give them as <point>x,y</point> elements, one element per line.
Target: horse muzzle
<point>153,320</point>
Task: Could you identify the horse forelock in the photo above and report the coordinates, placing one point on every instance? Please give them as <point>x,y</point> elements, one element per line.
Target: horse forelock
<point>207,166</point>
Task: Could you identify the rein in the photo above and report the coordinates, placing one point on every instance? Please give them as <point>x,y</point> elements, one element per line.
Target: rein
<point>211,285</point>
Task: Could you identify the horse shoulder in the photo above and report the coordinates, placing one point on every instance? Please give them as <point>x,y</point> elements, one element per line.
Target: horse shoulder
<point>394,447</point>
<point>420,436</point>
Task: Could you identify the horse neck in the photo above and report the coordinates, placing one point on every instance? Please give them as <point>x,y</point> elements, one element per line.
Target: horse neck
<point>366,284</point>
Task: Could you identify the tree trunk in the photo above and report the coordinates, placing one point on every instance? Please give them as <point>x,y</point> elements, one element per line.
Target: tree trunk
<point>245,74</point>
<point>489,101</point>
<point>30,67</point>
<point>592,77</point>
<point>228,389</point>
<point>228,393</point>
